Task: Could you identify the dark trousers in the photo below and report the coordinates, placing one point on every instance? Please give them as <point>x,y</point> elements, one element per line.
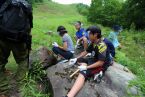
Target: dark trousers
<point>20,53</point>
<point>63,53</point>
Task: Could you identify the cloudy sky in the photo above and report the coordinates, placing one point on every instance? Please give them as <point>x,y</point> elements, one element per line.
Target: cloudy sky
<point>88,2</point>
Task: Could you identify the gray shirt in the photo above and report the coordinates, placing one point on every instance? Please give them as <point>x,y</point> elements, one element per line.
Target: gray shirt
<point>66,38</point>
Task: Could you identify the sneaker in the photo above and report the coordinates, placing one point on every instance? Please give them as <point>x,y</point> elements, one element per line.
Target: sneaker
<point>98,77</point>
<point>63,61</point>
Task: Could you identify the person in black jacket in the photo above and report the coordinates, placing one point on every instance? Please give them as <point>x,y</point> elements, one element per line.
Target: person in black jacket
<point>20,50</point>
<point>89,67</point>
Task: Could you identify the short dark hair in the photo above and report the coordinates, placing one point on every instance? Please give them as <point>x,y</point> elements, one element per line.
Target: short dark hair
<point>62,30</point>
<point>79,22</point>
<point>116,27</point>
<point>94,29</point>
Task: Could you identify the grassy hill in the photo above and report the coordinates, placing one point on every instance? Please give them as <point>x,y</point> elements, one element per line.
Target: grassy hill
<point>48,16</point>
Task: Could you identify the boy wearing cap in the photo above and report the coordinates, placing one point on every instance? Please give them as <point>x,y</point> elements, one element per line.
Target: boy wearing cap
<point>81,35</point>
<point>88,68</point>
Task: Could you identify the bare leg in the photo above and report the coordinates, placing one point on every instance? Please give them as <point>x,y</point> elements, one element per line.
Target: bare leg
<point>77,86</point>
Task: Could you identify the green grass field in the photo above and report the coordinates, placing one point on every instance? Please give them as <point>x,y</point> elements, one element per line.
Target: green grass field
<point>48,16</point>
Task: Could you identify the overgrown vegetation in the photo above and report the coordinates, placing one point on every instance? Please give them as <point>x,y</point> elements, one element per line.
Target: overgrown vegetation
<point>122,12</point>
<point>82,9</point>
<point>104,12</point>
<point>134,55</point>
<point>36,83</point>
<point>133,12</point>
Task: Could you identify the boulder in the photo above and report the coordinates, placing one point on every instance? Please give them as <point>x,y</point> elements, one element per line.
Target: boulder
<point>114,83</point>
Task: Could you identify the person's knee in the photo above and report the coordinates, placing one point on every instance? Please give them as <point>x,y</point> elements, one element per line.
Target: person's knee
<point>85,39</point>
<point>55,50</point>
<point>70,56</point>
<point>21,57</point>
<point>82,75</point>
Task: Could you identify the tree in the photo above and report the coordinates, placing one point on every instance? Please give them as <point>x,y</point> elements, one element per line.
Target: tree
<point>82,8</point>
<point>105,12</point>
<point>111,12</point>
<point>134,12</point>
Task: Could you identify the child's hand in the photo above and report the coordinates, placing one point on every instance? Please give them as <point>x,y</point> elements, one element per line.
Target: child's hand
<point>55,44</point>
<point>72,61</point>
<point>83,66</point>
<point>78,42</point>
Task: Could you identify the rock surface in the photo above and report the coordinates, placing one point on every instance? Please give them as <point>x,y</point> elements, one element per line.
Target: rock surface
<point>114,83</point>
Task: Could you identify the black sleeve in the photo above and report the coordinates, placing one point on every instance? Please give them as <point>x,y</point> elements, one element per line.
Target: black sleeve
<point>102,51</point>
<point>29,11</point>
<point>31,20</point>
<point>112,50</point>
<point>90,48</point>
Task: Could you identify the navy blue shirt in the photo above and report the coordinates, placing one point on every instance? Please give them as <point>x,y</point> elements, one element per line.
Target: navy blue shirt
<point>110,47</point>
<point>98,51</point>
<point>81,33</point>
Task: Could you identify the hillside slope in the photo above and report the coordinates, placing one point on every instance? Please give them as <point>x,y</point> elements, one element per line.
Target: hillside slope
<point>48,16</point>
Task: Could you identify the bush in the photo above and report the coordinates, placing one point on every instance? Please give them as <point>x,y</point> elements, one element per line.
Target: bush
<point>139,82</point>
<point>82,9</point>
<point>125,61</point>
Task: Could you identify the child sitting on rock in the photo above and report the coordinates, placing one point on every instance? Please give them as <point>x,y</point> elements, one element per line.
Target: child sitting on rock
<point>89,67</point>
<point>67,49</point>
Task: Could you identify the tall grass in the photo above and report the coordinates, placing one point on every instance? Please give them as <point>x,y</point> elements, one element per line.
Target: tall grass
<point>132,55</point>
<point>48,17</point>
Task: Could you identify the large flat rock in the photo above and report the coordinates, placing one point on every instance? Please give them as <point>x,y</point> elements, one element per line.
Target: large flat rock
<point>114,83</point>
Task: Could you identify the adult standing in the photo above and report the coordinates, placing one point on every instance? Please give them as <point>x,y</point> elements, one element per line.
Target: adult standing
<point>15,36</point>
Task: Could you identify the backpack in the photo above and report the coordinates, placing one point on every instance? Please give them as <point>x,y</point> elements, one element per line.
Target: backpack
<point>14,20</point>
<point>110,47</point>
